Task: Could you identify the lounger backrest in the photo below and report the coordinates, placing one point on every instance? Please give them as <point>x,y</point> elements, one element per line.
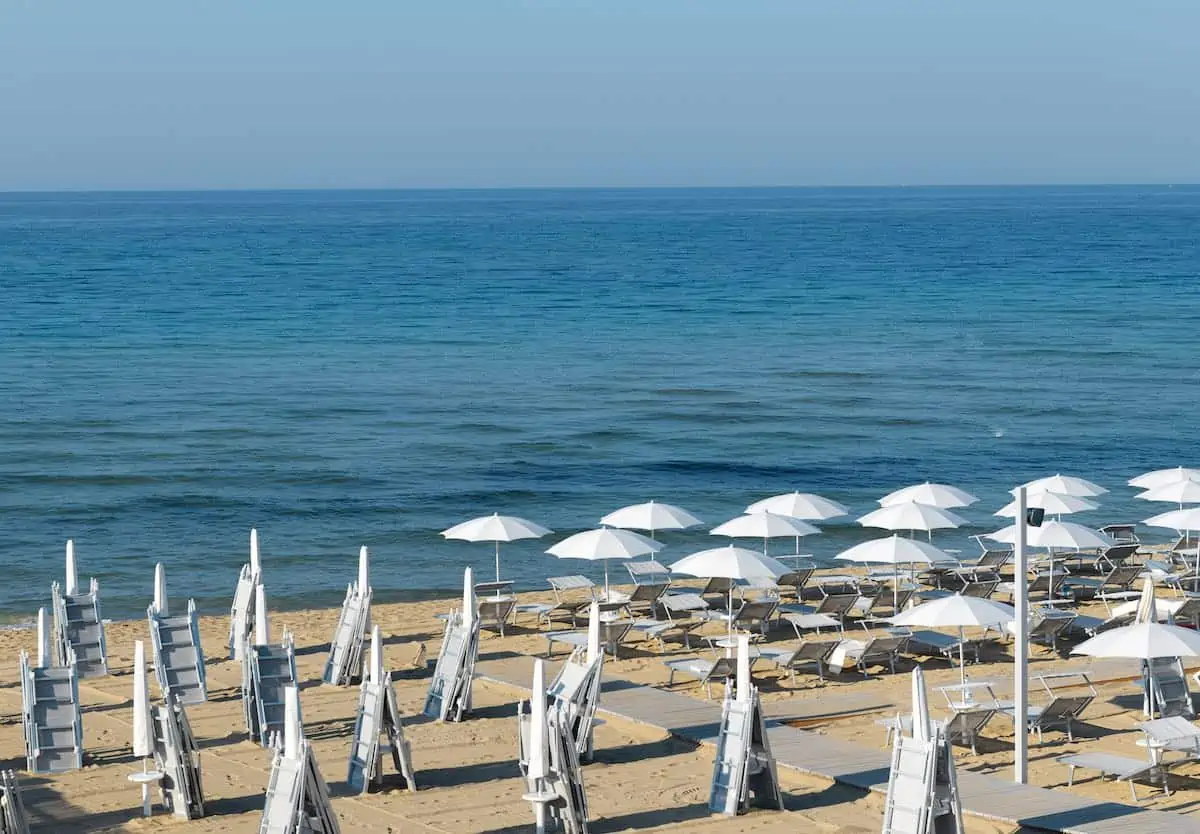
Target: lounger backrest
<point>1120,532</point>
<point>994,558</point>
<point>969,722</point>
<point>576,582</point>
<point>1119,553</point>
<point>752,612</point>
<point>648,592</point>
<point>648,571</point>
<point>983,588</point>
<point>814,651</point>
<point>887,646</point>
<point>837,605</point>
<point>1066,706</point>
<point>899,600</point>
<point>797,578</point>
<point>496,610</point>
<point>614,632</point>
<point>1122,576</point>
<point>1187,541</point>
<point>718,585</point>
<point>723,667</point>
<point>684,603</point>
<point>1190,609</point>
<point>1049,626</point>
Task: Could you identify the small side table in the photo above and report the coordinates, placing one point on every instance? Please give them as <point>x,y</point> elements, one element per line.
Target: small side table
<point>146,778</point>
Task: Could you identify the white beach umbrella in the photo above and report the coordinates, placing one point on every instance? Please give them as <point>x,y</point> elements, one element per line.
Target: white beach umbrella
<point>957,611</point>
<point>766,526</point>
<point>1182,520</point>
<point>605,543</point>
<point>651,516</point>
<point>1176,492</point>
<point>911,516</point>
<point>802,505</point>
<point>1142,641</point>
<point>496,528</point>
<point>1159,477</point>
<point>1065,485</point>
<point>895,550</point>
<point>143,741</point>
<point>1051,502</point>
<point>1056,534</point>
<point>730,563</point>
<point>935,495</point>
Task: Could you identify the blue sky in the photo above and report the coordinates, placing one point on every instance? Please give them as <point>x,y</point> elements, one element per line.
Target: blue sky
<point>487,93</point>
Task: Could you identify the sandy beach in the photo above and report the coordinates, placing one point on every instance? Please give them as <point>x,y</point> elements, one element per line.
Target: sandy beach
<point>643,779</point>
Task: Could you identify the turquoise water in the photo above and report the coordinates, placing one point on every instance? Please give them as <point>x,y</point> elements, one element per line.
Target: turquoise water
<point>369,368</point>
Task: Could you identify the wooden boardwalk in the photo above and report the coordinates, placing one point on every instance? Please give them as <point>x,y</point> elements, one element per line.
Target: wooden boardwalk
<point>991,797</point>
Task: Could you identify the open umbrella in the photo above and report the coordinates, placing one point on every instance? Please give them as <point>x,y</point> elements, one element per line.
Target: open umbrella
<point>895,551</point>
<point>1051,502</point>
<point>730,563</point>
<point>766,526</point>
<point>802,505</point>
<point>1158,477</point>
<point>496,528</point>
<point>605,543</point>
<point>651,516</point>
<point>957,611</point>
<point>1182,521</point>
<point>1056,534</point>
<point>911,516</point>
<point>934,495</point>
<point>1176,492</point>
<point>1065,485</point>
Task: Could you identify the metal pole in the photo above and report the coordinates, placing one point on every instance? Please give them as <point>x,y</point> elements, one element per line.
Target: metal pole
<point>1020,650</point>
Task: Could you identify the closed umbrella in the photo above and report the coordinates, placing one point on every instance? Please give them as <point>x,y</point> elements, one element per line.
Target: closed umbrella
<point>605,543</point>
<point>730,563</point>
<point>1158,477</point>
<point>911,516</point>
<point>935,495</point>
<point>1176,492</point>
<point>496,528</point>
<point>143,740</point>
<point>1052,503</point>
<point>766,526</point>
<point>1065,485</point>
<point>803,505</point>
<point>895,551</point>
<point>651,516</point>
<point>957,611</point>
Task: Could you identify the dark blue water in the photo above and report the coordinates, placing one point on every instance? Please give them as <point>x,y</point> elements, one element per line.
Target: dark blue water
<point>341,369</point>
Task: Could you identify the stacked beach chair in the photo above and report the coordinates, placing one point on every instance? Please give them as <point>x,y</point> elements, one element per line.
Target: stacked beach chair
<point>744,771</point>
<point>50,711</point>
<point>922,795</point>
<point>297,796</point>
<point>177,757</point>
<point>576,690</point>
<point>378,716</point>
<point>178,655</point>
<point>346,648</point>
<point>12,808</point>
<point>449,696</point>
<point>241,614</point>
<point>78,628</point>
<point>549,761</point>
<point>267,673</point>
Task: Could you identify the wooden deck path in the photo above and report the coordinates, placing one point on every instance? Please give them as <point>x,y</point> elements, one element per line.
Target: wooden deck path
<point>991,797</point>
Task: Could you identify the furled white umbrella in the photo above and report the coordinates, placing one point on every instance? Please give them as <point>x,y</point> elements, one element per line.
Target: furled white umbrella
<point>922,727</point>
<point>1158,477</point>
<point>1051,502</point>
<point>766,526</point>
<point>651,516</point>
<point>1176,492</point>
<point>730,563</point>
<point>957,611</point>
<point>496,528</point>
<point>1065,485</point>
<point>143,741</point>
<point>942,496</point>
<point>895,550</point>
<point>605,543</point>
<point>911,516</point>
<point>802,505</point>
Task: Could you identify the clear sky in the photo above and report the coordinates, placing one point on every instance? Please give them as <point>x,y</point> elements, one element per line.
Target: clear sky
<point>478,93</point>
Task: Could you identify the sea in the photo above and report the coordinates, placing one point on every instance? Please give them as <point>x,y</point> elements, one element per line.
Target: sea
<point>339,369</point>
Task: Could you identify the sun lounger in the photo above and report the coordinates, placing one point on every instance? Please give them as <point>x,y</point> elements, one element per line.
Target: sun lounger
<point>495,613</point>
<point>807,655</point>
<point>612,635</point>
<point>1121,533</point>
<point>965,726</point>
<point>1184,550</point>
<point>663,630</point>
<point>645,597</point>
<point>684,605</point>
<point>717,585</point>
<point>795,580</point>
<point>1117,555</point>
<point>707,672</point>
<point>1174,733</point>
<point>1122,768</point>
<point>875,651</point>
<point>836,606</point>
<point>811,622</point>
<point>572,596</point>
<point>1048,627</point>
<point>1168,693</point>
<point>1117,584</point>
<point>1062,709</point>
<point>648,572</point>
<point>757,614</point>
<point>935,644</point>
<point>1164,573</point>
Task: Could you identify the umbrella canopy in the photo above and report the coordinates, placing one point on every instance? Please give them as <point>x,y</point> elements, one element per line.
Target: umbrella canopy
<point>1181,520</point>
<point>802,505</point>
<point>894,550</point>
<point>1159,477</point>
<point>496,528</point>
<point>605,543</point>
<point>1176,492</point>
<point>1142,641</point>
<point>1063,534</point>
<point>764,525</point>
<point>1051,502</point>
<point>730,563</point>
<point>1065,485</point>
<point>651,516</point>
<point>957,611</point>
<point>935,495</point>
<point>911,515</point>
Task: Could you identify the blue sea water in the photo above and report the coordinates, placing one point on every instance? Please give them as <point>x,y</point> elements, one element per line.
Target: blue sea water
<point>340,369</point>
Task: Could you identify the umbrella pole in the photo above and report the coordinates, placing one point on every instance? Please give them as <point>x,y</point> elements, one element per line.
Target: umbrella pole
<point>497,561</point>
<point>606,596</point>
<point>728,652</point>
<point>797,545</point>
<point>895,588</point>
<point>962,663</point>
